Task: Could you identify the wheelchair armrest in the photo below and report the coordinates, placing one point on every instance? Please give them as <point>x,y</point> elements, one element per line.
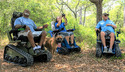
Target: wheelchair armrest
<point>118,32</point>
<point>56,31</point>
<point>97,32</point>
<point>38,29</point>
<point>70,30</point>
<point>14,31</point>
<point>10,32</point>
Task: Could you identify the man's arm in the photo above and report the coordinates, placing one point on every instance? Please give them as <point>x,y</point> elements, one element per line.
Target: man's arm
<point>17,23</point>
<point>114,26</point>
<point>97,27</point>
<point>41,27</point>
<point>44,26</point>
<point>18,26</point>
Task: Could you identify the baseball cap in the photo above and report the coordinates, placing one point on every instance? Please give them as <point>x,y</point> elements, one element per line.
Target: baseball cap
<point>104,14</point>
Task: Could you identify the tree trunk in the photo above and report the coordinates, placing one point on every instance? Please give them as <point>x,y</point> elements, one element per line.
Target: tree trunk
<point>84,16</point>
<point>80,15</point>
<point>99,12</point>
<point>98,4</point>
<point>124,16</point>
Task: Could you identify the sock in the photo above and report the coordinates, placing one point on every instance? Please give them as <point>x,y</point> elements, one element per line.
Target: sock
<point>38,46</point>
<point>105,47</point>
<point>35,48</point>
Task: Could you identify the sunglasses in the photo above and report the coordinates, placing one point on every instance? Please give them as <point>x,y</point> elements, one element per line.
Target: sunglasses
<point>105,15</point>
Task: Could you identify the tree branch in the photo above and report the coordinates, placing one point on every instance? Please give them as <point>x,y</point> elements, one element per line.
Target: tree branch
<point>58,2</point>
<point>77,5</point>
<point>85,7</point>
<point>93,1</point>
<point>69,7</point>
<point>59,9</point>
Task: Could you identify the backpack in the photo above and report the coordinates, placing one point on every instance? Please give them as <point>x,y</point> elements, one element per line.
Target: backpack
<point>53,25</point>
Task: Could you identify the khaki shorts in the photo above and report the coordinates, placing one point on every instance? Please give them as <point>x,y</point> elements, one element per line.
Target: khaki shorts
<point>35,33</point>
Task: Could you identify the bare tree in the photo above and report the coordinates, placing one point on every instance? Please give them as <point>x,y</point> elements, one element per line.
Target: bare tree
<point>80,15</point>
<point>98,4</point>
<point>84,16</point>
<point>74,11</point>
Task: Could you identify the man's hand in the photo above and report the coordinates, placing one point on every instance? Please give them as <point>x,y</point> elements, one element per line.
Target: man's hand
<point>97,29</point>
<point>114,26</point>
<point>45,26</point>
<point>108,24</point>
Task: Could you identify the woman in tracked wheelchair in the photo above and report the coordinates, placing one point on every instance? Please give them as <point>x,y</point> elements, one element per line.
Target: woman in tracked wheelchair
<point>107,28</point>
<point>61,25</point>
<point>30,30</point>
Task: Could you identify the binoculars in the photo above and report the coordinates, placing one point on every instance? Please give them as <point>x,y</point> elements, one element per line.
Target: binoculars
<point>63,15</point>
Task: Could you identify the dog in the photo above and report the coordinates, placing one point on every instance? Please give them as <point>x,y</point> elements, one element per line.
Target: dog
<point>52,43</point>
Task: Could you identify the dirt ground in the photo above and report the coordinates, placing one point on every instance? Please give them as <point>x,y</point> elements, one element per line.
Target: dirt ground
<point>75,62</point>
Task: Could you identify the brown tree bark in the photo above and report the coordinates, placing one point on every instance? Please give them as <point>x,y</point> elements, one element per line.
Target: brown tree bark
<point>98,4</point>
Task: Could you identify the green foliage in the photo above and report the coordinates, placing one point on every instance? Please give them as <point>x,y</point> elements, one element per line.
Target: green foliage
<point>45,11</point>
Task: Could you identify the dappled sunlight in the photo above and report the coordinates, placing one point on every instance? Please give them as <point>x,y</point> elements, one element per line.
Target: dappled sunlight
<point>61,66</point>
<point>80,15</point>
<point>4,41</point>
<point>74,62</point>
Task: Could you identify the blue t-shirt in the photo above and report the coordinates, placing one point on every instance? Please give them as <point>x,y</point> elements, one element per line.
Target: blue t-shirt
<point>61,26</point>
<point>103,26</point>
<point>25,21</point>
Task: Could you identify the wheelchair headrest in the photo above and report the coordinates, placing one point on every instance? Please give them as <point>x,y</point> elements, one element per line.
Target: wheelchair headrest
<point>17,14</point>
<point>14,17</point>
<point>53,25</point>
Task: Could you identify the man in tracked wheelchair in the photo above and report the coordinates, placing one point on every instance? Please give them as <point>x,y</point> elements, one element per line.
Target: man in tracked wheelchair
<point>59,25</point>
<point>30,30</point>
<point>107,28</point>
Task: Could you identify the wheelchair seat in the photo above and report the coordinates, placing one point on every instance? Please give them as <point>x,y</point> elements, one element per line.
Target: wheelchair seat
<point>19,50</point>
<point>65,47</point>
<point>100,48</point>
<point>13,34</point>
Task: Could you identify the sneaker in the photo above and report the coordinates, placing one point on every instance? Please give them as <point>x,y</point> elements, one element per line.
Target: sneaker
<point>105,50</point>
<point>110,50</point>
<point>37,51</point>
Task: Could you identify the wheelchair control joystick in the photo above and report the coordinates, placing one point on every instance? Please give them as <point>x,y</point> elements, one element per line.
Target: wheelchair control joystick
<point>118,32</point>
<point>24,26</point>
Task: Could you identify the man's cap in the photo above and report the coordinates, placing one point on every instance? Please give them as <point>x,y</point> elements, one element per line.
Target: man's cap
<point>105,14</point>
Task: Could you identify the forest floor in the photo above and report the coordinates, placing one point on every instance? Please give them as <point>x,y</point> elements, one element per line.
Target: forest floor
<point>85,61</point>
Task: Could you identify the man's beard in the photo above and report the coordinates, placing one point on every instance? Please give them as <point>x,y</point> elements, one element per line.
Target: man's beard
<point>26,14</point>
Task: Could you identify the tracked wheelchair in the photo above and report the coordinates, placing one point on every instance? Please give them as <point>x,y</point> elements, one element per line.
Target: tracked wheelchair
<point>19,50</point>
<point>64,49</point>
<point>100,48</point>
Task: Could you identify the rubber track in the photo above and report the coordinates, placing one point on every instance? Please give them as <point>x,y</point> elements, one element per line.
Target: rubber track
<point>29,57</point>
